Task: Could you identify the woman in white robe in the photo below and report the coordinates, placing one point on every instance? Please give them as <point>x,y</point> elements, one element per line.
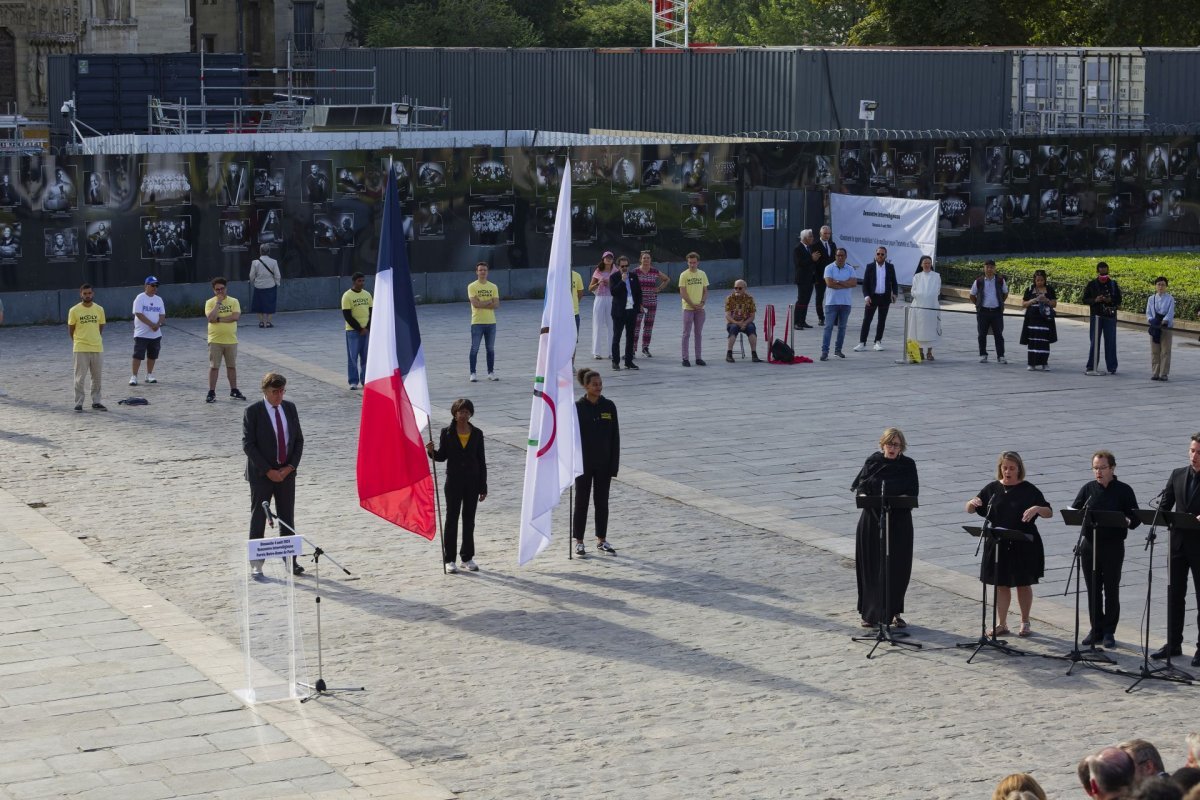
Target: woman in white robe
<point>926,310</point>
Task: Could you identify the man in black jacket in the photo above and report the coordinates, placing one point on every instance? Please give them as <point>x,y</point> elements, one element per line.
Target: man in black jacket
<point>273,443</point>
<point>626,292</point>
<point>1103,296</point>
<point>805,260</point>
<point>1182,494</point>
<point>879,290</point>
<point>825,250</point>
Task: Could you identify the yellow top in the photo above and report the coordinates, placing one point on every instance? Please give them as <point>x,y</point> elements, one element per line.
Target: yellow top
<point>359,305</point>
<point>576,290</point>
<point>463,437</point>
<point>87,322</point>
<point>483,292</point>
<point>693,284</point>
<point>223,332</point>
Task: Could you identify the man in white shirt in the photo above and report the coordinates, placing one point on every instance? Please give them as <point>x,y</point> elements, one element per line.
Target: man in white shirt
<point>989,292</point>
<point>149,314</point>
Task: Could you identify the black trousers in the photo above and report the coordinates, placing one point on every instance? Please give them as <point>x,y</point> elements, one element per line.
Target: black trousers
<point>623,322</point>
<point>597,485</point>
<point>284,495</point>
<point>1178,567</point>
<point>465,499</point>
<point>1103,588</point>
<point>804,291</point>
<point>880,303</point>
<point>990,319</point>
<point>819,287</point>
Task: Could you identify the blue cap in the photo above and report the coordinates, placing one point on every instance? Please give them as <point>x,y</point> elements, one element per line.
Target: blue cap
<point>151,279</point>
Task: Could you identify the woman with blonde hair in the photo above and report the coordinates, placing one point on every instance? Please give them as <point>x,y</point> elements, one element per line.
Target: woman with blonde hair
<point>1019,786</point>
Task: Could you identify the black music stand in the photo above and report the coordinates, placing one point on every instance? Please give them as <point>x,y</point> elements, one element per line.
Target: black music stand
<point>1167,672</point>
<point>1085,518</point>
<point>885,505</point>
<point>992,536</point>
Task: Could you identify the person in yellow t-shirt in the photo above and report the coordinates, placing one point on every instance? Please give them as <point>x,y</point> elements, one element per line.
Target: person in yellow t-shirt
<point>576,295</point>
<point>85,326</point>
<point>223,313</point>
<point>485,299</point>
<point>693,288</point>
<point>356,310</point>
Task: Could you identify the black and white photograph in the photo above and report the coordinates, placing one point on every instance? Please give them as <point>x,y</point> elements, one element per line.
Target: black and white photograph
<point>1181,156</point>
<point>431,176</point>
<point>653,172</point>
<point>98,245</point>
<point>850,165</point>
<point>95,188</point>
<point>234,234</point>
<point>410,230</point>
<point>822,171</point>
<point>1114,211</point>
<point>269,226</point>
<point>951,165</point>
<point>725,171</point>
<point>543,220</point>
<point>1072,208</point>
<point>166,238</point>
<point>230,183</point>
<point>122,188</point>
<point>163,186</point>
<point>316,181</point>
<point>623,176</point>
<point>639,220</point>
<point>1176,207</point>
<point>693,172</point>
<point>548,175</point>
<point>724,212</point>
<point>32,176</point>
<point>583,172</point>
<point>1155,204</point>
<point>1052,160</point>
<point>954,210</point>
<point>268,184</point>
<point>1156,162</point>
<point>401,171</point>
<point>62,244</point>
<point>431,220</point>
<point>1021,165</point>
<point>1077,164</point>
<point>1104,163</point>
<point>993,212</point>
<point>333,231</point>
<point>10,242</point>
<point>583,222</point>
<point>491,177</point>
<point>491,225</point>
<point>61,191</point>
<point>1050,205</point>
<point>1129,163</point>
<point>883,168</point>
<point>9,196</point>
<point>693,218</point>
<point>995,165</point>
<point>351,181</point>
<point>1017,209</point>
<point>910,162</point>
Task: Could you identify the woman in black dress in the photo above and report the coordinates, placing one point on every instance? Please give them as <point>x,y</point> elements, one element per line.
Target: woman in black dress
<point>1039,332</point>
<point>461,446</point>
<point>600,441</point>
<point>888,471</point>
<point>1012,502</point>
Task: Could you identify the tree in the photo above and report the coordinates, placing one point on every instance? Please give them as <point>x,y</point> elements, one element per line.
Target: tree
<point>451,23</point>
<point>615,23</point>
<point>776,22</point>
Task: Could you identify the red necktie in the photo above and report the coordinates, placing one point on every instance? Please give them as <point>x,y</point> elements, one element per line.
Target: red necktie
<point>280,438</point>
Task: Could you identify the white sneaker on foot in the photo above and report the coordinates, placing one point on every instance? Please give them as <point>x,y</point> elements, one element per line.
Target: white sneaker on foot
<point>151,379</point>
<point>473,379</point>
<point>861,346</point>
<point>471,566</point>
<point>493,376</point>
<point>450,568</point>
<point>878,346</point>
<point>133,380</point>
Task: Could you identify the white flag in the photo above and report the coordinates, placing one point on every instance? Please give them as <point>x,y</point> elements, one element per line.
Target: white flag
<point>553,458</point>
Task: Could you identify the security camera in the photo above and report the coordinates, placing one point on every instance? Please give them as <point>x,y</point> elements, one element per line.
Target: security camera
<point>68,107</point>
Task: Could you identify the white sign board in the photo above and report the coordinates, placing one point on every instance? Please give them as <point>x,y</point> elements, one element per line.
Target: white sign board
<point>276,547</point>
<point>866,110</point>
<point>907,228</point>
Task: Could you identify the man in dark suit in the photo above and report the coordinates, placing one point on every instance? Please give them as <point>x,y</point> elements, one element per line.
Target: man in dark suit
<point>880,290</point>
<point>626,292</point>
<point>826,249</point>
<point>273,443</point>
<point>805,259</point>
<point>1183,495</point>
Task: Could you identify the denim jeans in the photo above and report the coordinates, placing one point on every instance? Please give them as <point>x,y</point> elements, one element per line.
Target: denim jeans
<point>356,358</point>
<point>488,334</point>
<point>839,316</point>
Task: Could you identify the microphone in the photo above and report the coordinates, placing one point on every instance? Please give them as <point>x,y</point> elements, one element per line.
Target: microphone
<point>266,507</point>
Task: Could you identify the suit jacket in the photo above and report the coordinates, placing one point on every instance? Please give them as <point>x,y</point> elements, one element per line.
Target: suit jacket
<point>868,282</point>
<point>826,258</point>
<point>803,261</point>
<point>466,467</point>
<point>616,286</point>
<point>260,445</point>
<point>1175,498</point>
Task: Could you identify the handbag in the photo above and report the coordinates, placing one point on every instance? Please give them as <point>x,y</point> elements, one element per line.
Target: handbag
<point>782,351</point>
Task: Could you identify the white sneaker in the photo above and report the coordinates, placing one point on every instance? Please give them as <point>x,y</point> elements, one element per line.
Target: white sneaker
<point>1031,368</point>
<point>151,379</point>
<point>471,566</point>
<point>860,347</point>
<point>133,380</point>
<point>1001,360</point>
<point>451,569</point>
<point>493,376</point>
<point>983,359</point>
<point>878,346</point>
<point>473,378</point>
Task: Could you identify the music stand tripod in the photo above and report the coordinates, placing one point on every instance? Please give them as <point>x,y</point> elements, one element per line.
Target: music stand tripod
<point>1167,672</point>
<point>992,536</point>
<point>884,505</point>
<point>1086,518</point>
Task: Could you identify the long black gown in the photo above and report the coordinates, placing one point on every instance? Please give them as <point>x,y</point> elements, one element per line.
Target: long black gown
<point>895,477</point>
<point>1021,563</point>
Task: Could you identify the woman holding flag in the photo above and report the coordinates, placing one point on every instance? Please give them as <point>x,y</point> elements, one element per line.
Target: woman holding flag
<point>600,442</point>
<point>461,446</point>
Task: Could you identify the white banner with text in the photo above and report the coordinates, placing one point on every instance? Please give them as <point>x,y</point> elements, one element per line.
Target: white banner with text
<point>907,228</point>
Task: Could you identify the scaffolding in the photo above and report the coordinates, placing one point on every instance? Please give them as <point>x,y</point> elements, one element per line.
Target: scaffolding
<point>669,28</point>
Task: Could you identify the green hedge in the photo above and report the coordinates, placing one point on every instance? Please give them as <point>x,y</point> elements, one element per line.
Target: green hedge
<point>1069,276</point>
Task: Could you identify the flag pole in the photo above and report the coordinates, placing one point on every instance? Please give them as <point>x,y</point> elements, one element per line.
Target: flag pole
<point>570,522</point>
<point>437,494</point>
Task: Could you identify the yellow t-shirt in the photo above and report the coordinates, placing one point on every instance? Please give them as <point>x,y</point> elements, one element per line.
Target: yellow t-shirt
<point>693,284</point>
<point>87,322</point>
<point>223,332</point>
<point>576,290</point>
<point>483,292</point>
<point>359,305</point>
<point>463,438</point>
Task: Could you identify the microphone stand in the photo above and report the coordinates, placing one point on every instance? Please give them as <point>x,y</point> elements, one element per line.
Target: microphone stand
<point>883,628</point>
<point>1092,655</point>
<point>989,532</point>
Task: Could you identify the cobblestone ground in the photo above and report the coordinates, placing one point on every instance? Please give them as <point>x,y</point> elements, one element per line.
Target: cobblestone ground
<point>712,657</point>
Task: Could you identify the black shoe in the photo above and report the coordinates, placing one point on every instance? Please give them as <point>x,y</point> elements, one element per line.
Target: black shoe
<point>1155,378</point>
<point>1196,658</point>
<point>236,394</point>
<point>1110,641</point>
<point>729,357</point>
<point>211,397</point>
<point>754,357</point>
<point>1090,639</point>
<point>700,362</point>
<point>646,352</point>
<point>616,365</point>
<point>806,325</point>
<point>799,326</point>
<point>1166,651</point>
<point>631,365</point>
<point>1163,379</point>
<point>821,321</point>
<point>79,409</point>
<point>839,354</point>
<point>687,363</point>
<point>297,569</point>
<point>824,356</point>
<point>605,547</point>
<point>99,407</point>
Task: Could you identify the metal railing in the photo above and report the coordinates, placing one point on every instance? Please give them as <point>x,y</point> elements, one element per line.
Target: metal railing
<point>1061,122</point>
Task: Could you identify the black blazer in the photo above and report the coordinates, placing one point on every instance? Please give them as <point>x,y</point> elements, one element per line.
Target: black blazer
<point>1175,499</point>
<point>599,435</point>
<point>258,439</point>
<point>616,286</point>
<point>825,259</point>
<point>466,467</point>
<point>868,282</point>
<point>802,259</point>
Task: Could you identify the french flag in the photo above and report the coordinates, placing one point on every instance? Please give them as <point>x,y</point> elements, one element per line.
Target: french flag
<point>394,481</point>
